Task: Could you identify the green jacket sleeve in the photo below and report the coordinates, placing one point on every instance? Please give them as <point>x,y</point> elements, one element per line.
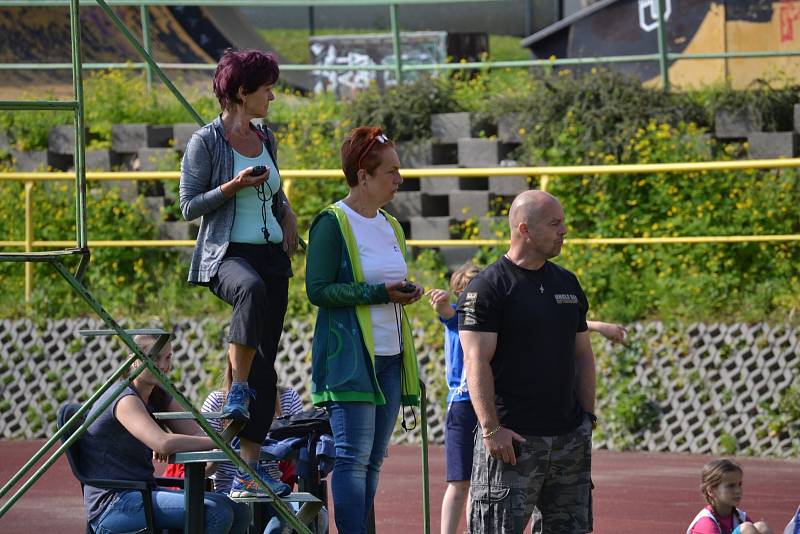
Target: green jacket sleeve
<point>323,263</point>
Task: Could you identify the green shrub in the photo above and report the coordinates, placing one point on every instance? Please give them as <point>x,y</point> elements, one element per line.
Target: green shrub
<point>404,112</point>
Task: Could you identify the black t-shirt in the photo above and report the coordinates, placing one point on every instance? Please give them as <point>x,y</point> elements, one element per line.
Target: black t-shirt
<point>536,315</point>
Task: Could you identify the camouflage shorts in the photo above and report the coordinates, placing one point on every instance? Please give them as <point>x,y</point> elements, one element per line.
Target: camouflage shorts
<point>552,474</point>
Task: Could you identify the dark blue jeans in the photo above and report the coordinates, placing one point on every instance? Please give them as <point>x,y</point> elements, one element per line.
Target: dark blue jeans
<point>125,513</point>
<point>361,432</point>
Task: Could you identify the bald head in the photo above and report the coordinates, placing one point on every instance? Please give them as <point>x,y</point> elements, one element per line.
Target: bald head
<point>528,207</point>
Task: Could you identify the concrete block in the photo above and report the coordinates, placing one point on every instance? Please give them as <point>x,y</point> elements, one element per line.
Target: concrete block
<point>479,152</point>
<point>29,160</point>
<point>450,127</point>
<point>796,121</point>
<point>766,145</point>
<point>39,160</point>
<point>406,204</point>
<point>489,227</point>
<point>130,138</point>
<point>468,204</point>
<point>736,123</point>
<point>181,133</point>
<point>100,160</point>
<point>5,144</point>
<point>455,257</point>
<point>434,205</point>
<point>508,185</point>
<point>415,154</point>
<point>429,228</point>
<point>509,126</point>
<point>174,230</point>
<point>439,185</point>
<point>158,159</point>
<point>61,139</point>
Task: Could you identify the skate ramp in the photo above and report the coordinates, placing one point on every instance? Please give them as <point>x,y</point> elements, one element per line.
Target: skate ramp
<point>178,35</point>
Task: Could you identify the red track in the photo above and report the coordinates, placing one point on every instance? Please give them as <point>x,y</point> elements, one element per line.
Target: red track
<point>636,492</point>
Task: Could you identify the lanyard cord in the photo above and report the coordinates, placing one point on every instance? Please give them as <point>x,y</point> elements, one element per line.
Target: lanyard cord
<point>398,317</point>
<point>262,196</point>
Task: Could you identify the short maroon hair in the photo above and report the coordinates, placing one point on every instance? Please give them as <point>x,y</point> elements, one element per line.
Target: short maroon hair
<point>361,150</point>
<point>248,69</point>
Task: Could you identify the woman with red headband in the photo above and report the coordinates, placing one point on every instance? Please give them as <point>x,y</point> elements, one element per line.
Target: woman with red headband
<point>363,359</point>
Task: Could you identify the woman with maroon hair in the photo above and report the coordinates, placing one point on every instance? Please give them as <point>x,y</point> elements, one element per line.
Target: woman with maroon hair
<point>230,178</point>
<point>363,360</point>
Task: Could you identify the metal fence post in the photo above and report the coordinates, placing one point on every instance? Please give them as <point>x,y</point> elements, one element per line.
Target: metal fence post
<point>663,59</point>
<point>28,239</point>
<point>398,54</point>
<point>145,16</point>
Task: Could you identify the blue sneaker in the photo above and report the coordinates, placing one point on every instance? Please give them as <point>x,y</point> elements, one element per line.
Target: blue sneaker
<point>236,403</point>
<point>245,486</point>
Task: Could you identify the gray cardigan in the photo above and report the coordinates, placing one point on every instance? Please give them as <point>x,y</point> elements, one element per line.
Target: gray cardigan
<point>206,165</point>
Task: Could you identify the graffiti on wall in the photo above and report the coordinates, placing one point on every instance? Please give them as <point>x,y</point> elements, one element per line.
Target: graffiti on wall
<point>364,51</point>
<point>648,14</point>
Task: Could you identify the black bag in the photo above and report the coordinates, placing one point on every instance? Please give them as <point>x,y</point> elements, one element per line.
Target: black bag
<point>313,421</point>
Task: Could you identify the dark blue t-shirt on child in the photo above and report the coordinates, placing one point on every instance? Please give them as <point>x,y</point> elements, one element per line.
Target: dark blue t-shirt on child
<point>109,451</point>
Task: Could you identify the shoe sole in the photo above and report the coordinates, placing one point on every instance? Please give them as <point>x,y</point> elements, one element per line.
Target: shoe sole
<point>236,415</point>
<point>244,494</point>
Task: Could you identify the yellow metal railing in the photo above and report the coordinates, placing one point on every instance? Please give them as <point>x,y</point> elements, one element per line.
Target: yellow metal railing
<point>545,174</point>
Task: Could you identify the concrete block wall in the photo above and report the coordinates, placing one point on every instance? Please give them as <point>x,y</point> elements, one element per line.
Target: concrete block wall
<point>444,202</point>
<point>134,147</point>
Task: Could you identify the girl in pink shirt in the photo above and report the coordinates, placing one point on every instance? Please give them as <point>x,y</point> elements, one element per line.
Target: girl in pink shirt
<point>721,485</point>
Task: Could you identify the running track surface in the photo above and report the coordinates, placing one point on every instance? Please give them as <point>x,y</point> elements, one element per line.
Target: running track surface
<point>635,492</point>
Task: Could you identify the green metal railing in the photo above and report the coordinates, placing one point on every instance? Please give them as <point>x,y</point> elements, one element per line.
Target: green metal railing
<point>662,56</point>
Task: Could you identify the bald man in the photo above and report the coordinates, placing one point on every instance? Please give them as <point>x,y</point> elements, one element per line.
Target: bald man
<point>531,377</point>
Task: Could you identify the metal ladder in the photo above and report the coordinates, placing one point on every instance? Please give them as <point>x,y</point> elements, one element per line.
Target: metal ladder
<point>75,280</point>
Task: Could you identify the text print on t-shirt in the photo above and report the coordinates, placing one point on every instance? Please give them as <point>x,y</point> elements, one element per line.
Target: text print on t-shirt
<point>469,308</point>
<point>566,298</point>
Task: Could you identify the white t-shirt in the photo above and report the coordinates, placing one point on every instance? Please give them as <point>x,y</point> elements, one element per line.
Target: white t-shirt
<point>381,261</point>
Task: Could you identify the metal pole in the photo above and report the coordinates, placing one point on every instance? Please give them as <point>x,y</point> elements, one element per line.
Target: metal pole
<point>426,498</point>
<point>145,16</point>
<point>80,127</point>
<point>663,60</point>
<point>28,240</point>
<point>398,67</point>
<point>311,28</point>
<point>527,17</point>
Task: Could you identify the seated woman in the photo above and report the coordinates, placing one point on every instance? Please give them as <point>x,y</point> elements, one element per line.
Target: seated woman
<point>121,444</point>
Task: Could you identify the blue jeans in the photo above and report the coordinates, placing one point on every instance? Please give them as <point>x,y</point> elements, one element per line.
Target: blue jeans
<point>361,432</point>
<point>125,513</point>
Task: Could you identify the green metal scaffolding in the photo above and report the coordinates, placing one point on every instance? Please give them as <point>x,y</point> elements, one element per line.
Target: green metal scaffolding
<point>75,280</point>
